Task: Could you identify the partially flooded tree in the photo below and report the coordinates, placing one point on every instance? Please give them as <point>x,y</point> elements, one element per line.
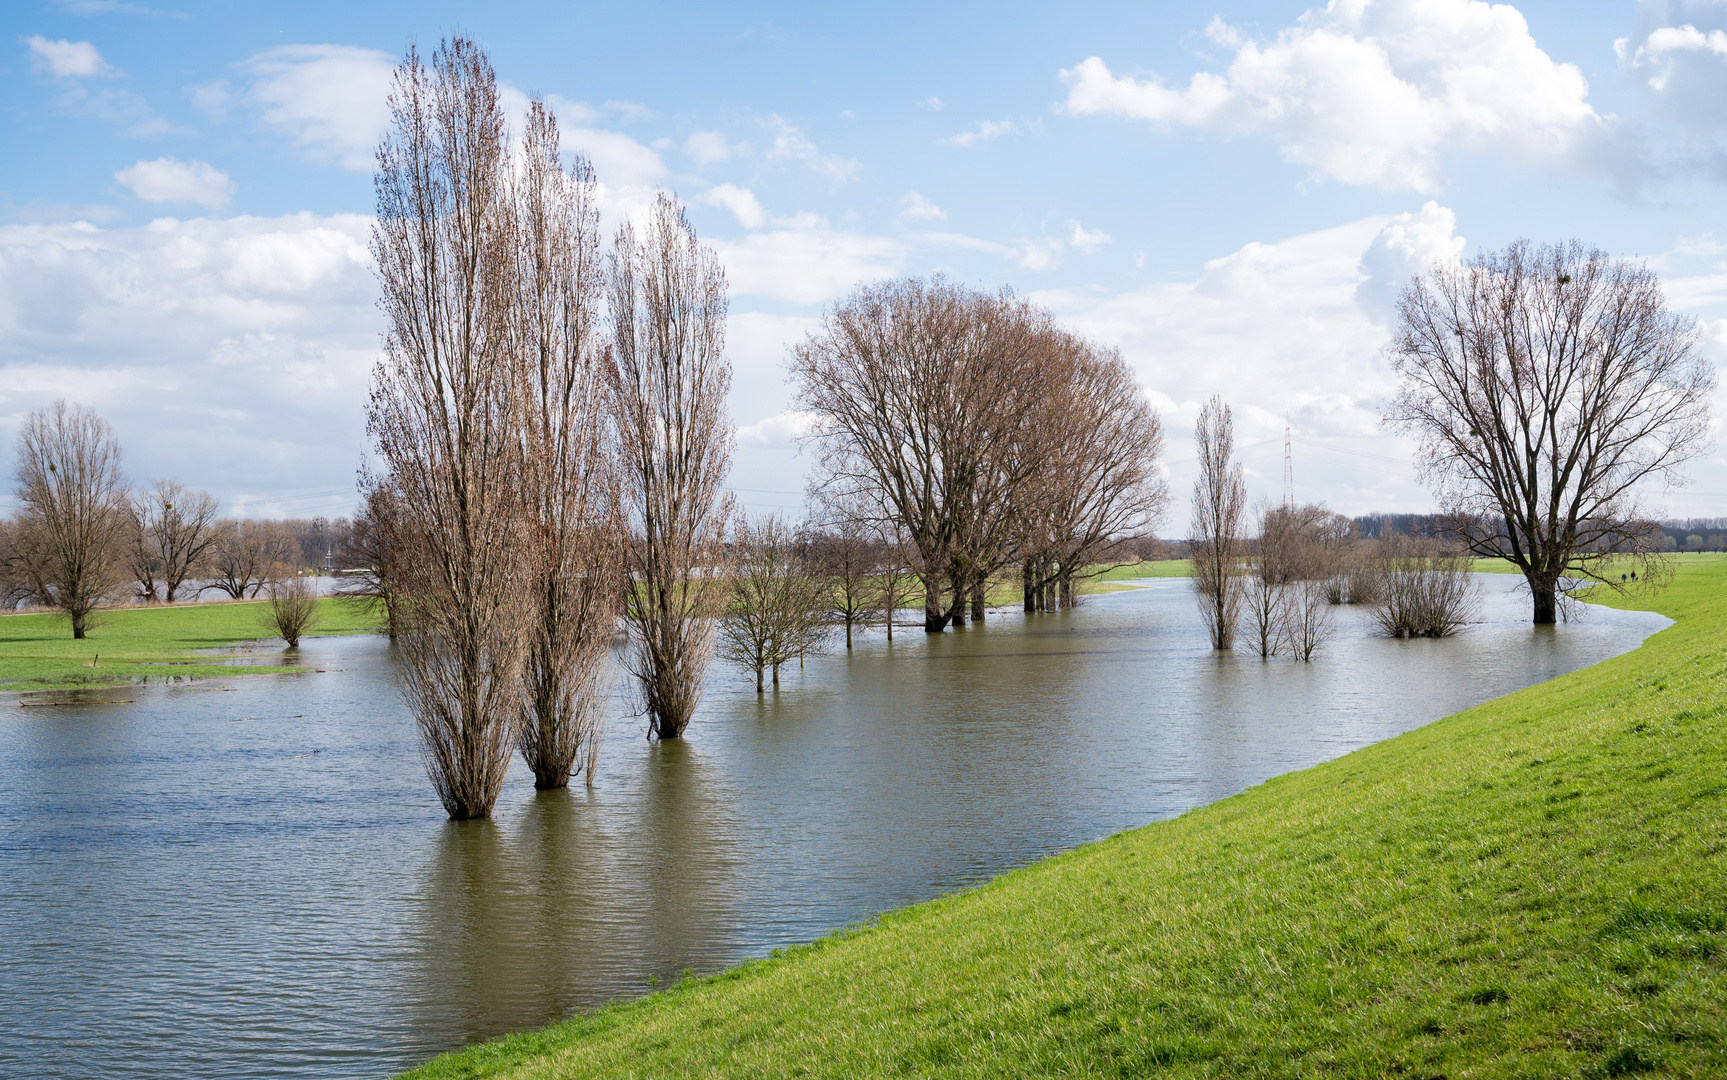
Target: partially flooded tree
<point>1424,587</point>
<point>1265,575</point>
<point>173,533</point>
<point>1544,384</point>
<point>779,605</point>
<point>669,380</point>
<point>570,493</point>
<point>292,609</point>
<point>70,534</point>
<point>1214,537</point>
<point>848,559</point>
<point>1100,479</point>
<point>444,418</point>
<point>921,391</point>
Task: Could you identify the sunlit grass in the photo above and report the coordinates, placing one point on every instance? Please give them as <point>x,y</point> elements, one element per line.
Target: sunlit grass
<point>38,652</point>
<point>1531,888</point>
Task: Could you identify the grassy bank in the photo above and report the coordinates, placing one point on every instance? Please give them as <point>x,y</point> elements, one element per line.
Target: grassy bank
<point>1532,888</point>
<point>37,651</point>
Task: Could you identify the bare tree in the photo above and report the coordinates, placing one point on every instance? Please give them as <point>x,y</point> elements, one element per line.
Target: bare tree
<point>849,556</point>
<point>1424,587</point>
<point>570,489</point>
<point>292,608</point>
<point>921,392</point>
<point>446,421</point>
<point>374,550</point>
<point>247,555</point>
<point>70,533</point>
<point>173,532</point>
<point>779,607</point>
<point>1100,479</point>
<point>895,581</point>
<point>1544,384</point>
<point>1219,498</point>
<point>669,380</point>
<point>1265,579</point>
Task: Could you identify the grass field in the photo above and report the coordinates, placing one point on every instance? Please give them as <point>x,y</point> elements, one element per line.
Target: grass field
<point>38,652</point>
<point>1532,888</point>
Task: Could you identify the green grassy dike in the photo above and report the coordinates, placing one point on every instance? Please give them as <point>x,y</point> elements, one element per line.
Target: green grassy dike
<point>138,644</point>
<point>1532,888</point>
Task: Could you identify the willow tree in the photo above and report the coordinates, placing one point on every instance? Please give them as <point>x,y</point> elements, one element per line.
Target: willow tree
<point>1545,385</point>
<point>69,539</point>
<point>1214,538</point>
<point>445,419</point>
<point>668,383</point>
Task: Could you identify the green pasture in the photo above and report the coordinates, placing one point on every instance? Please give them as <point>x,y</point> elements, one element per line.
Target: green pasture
<point>1532,888</point>
<point>124,645</point>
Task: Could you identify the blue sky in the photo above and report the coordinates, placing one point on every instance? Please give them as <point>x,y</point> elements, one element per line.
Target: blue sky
<point>1229,193</point>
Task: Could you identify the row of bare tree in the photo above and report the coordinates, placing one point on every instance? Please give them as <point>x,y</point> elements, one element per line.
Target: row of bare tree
<point>1545,386</point>
<point>84,538</point>
<point>551,422</point>
<point>971,431</point>
<point>1277,587</point>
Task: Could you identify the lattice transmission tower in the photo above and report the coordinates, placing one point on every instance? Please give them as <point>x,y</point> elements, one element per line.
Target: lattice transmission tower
<point>1288,470</point>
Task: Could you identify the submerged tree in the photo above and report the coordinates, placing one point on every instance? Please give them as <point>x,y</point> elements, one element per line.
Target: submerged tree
<point>69,538</point>
<point>292,608</point>
<point>1219,499</point>
<point>445,420</point>
<point>779,608</point>
<point>923,395</point>
<point>569,503</point>
<point>1544,384</point>
<point>669,379</point>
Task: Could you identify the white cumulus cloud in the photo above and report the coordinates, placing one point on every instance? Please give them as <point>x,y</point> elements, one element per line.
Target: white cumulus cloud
<point>988,131</point>
<point>913,206</point>
<point>790,144</point>
<point>741,201</point>
<point>168,180</point>
<point>329,99</point>
<point>1085,241</point>
<point>67,59</point>
<point>1374,93</point>
<point>708,147</point>
<point>1663,46</point>
<point>232,355</point>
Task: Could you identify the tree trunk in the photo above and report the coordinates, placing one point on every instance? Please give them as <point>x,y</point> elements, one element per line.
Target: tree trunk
<point>776,676</point>
<point>1544,588</point>
<point>977,599</point>
<point>848,631</point>
<point>1050,600</point>
<point>1066,581</point>
<point>1028,587</point>
<point>934,620</point>
<point>758,678</point>
<point>957,615</point>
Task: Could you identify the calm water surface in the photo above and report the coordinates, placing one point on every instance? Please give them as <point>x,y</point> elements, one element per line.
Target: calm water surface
<point>257,881</point>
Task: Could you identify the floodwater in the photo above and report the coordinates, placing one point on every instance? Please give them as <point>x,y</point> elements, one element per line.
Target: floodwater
<point>257,881</point>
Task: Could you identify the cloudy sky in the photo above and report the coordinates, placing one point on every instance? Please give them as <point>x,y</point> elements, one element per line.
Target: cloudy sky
<point>1230,193</point>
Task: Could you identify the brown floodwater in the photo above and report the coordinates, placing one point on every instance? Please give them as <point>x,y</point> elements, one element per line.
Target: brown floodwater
<point>258,881</point>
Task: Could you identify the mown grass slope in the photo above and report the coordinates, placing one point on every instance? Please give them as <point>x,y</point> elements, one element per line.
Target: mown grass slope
<point>38,652</point>
<point>1532,888</point>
